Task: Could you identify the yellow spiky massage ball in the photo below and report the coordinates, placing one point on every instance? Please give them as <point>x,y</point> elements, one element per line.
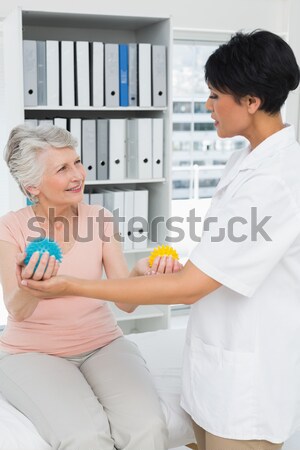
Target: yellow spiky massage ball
<point>162,250</point>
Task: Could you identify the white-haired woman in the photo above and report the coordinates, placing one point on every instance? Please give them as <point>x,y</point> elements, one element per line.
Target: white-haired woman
<point>64,362</point>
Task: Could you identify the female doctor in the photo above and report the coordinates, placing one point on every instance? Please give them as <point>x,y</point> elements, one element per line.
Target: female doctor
<point>241,373</point>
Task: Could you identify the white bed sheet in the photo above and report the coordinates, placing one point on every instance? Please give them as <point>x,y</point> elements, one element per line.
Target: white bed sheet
<point>163,352</point>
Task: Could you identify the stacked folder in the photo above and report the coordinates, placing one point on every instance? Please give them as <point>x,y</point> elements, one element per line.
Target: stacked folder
<point>84,74</point>
<point>130,210</point>
<point>116,149</point>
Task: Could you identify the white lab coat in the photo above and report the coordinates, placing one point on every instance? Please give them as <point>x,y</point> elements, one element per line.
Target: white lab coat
<point>241,375</point>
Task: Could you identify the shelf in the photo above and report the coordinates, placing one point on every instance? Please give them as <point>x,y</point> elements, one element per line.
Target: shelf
<point>148,249</point>
<point>57,109</point>
<point>47,19</point>
<point>126,181</point>
<point>142,312</point>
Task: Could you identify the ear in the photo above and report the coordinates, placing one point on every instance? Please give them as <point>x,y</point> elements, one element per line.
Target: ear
<point>253,103</point>
<point>32,190</point>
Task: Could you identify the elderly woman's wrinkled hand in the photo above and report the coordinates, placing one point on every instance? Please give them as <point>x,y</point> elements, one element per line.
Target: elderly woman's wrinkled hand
<point>160,265</point>
<point>36,269</point>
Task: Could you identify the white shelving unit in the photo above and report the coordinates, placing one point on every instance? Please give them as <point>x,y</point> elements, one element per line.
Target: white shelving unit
<point>92,108</point>
<point>41,25</point>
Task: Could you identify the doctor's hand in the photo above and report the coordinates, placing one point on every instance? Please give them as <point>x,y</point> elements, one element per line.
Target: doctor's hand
<point>53,287</point>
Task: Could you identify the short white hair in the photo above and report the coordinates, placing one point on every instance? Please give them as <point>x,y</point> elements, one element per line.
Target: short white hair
<point>23,148</point>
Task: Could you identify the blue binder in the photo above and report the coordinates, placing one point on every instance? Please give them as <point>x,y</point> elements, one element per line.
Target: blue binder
<point>123,71</point>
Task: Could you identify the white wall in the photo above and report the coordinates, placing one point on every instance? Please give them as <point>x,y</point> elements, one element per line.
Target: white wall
<point>4,206</point>
<point>293,35</point>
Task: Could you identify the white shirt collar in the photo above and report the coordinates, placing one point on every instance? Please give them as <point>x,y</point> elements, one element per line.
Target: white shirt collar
<point>269,147</point>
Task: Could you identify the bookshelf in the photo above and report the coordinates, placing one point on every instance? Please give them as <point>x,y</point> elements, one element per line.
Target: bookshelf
<point>40,25</point>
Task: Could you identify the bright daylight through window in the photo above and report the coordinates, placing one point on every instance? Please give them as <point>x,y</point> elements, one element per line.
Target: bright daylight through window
<point>199,155</point>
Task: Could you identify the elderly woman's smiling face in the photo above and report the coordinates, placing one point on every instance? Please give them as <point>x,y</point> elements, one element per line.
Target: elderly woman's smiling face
<point>63,178</point>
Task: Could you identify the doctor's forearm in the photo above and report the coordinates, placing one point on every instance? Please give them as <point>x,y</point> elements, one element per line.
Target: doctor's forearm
<point>144,290</point>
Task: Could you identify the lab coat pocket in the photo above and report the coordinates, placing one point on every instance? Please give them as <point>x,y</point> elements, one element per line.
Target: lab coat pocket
<point>223,386</point>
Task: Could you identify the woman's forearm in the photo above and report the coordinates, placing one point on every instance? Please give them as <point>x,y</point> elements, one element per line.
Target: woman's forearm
<point>21,305</point>
<point>127,307</point>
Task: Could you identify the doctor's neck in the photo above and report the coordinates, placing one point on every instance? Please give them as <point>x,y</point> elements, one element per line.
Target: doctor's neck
<point>263,126</point>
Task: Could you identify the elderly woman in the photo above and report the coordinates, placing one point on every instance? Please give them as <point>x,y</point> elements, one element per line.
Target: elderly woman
<point>64,362</point>
<point>241,375</point>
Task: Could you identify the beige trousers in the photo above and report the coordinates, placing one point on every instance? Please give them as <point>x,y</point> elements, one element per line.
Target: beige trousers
<point>208,441</point>
<point>103,400</point>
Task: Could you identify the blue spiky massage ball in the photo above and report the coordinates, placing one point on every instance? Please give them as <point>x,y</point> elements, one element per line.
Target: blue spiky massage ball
<point>43,245</point>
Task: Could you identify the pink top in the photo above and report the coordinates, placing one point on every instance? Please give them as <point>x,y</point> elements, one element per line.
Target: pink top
<point>63,326</point>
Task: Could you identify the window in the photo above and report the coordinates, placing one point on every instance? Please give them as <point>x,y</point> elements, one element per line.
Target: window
<point>204,126</point>
<point>200,108</point>
<point>184,126</point>
<point>195,141</point>
<point>182,146</point>
<point>199,162</point>
<point>182,107</point>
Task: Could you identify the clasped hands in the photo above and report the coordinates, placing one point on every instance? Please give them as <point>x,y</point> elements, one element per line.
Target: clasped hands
<point>39,277</point>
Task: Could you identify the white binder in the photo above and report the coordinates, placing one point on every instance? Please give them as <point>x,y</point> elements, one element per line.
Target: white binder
<point>60,122</point>
<point>52,69</point>
<point>102,171</point>
<point>75,130</point>
<point>82,73</point>
<point>141,225</point>
<point>144,148</point>
<point>86,198</point>
<point>89,147</point>
<point>117,149</point>
<point>119,207</point>
<point>97,74</point>
<point>46,122</point>
<point>159,76</point>
<point>114,202</point>
<point>132,149</point>
<point>128,215</point>
<point>30,72</point>
<point>132,75</point>
<point>96,198</point>
<point>144,73</point>
<point>67,74</point>
<point>111,74</point>
<point>31,122</point>
<point>139,148</point>
<point>107,202</point>
<point>157,147</point>
<point>41,72</point>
